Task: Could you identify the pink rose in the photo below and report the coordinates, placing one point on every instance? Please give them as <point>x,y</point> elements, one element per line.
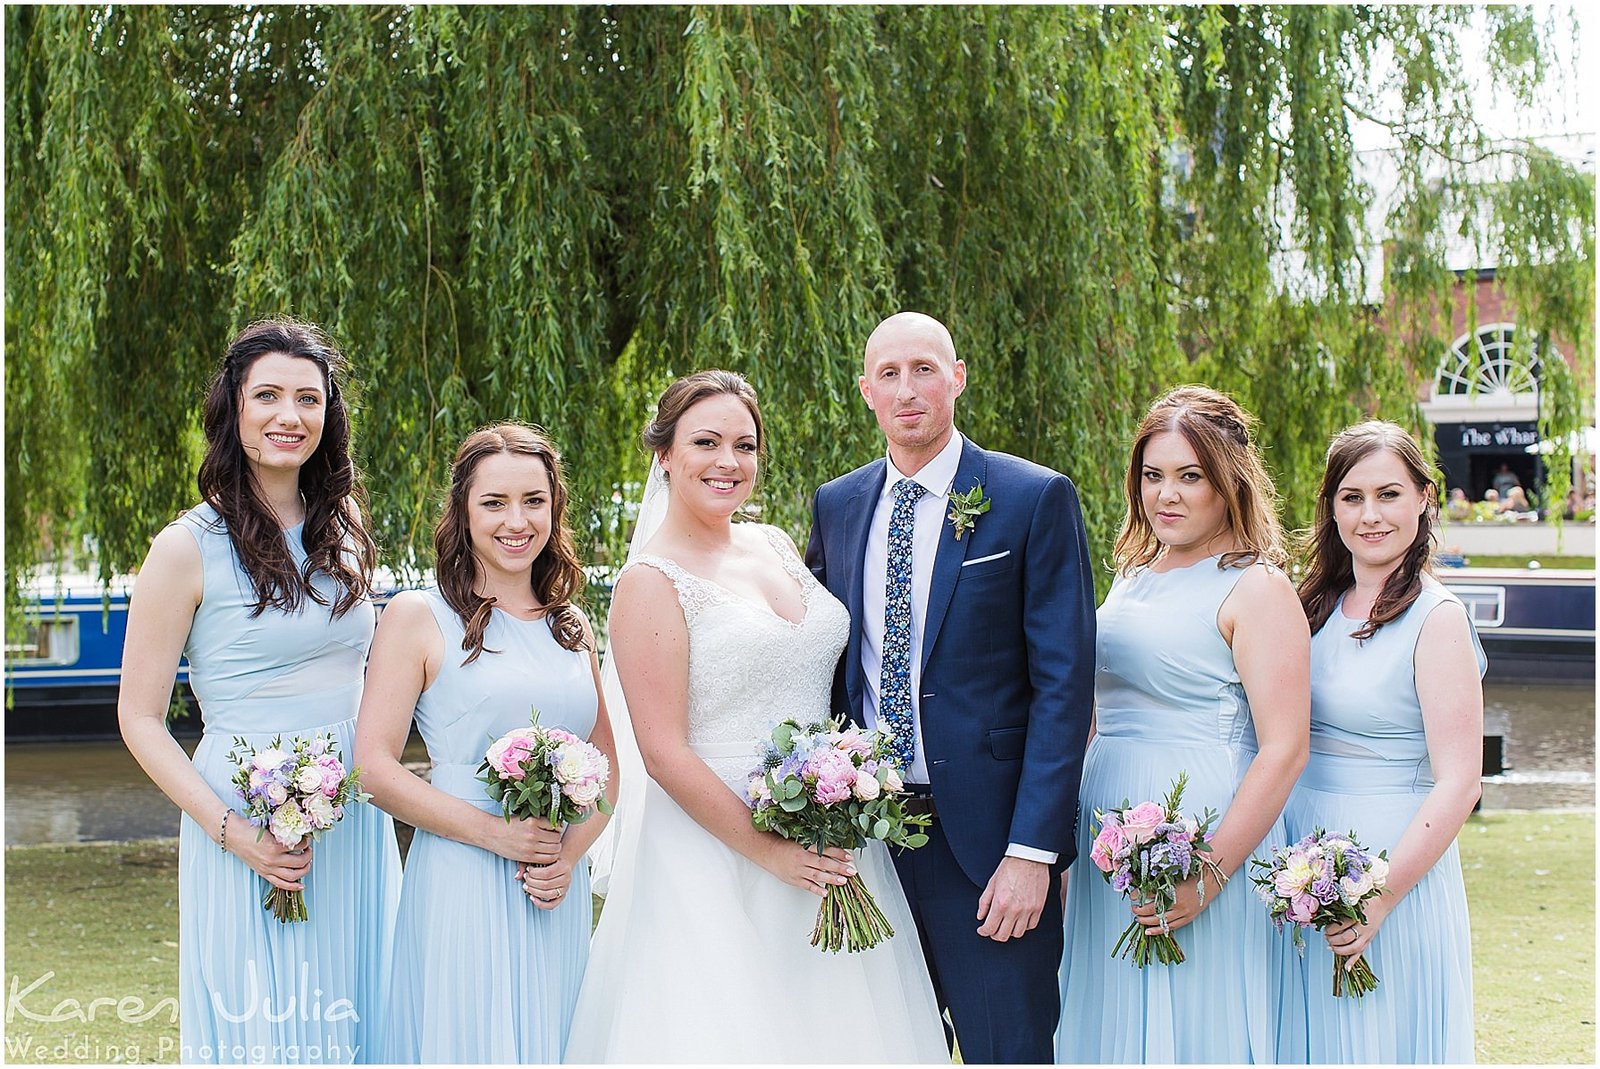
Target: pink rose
<point>1302,908</point>
<point>1110,843</point>
<point>507,753</point>
<point>1140,822</point>
<point>330,782</point>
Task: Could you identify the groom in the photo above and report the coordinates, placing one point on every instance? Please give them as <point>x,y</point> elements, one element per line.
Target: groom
<point>973,646</point>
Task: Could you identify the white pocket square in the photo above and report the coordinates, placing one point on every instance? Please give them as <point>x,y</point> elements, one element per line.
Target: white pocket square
<point>981,560</point>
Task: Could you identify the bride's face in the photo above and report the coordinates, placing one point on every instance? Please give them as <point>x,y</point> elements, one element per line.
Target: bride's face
<point>712,461</point>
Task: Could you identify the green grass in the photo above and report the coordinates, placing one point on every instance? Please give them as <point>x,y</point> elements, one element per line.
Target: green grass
<point>99,922</point>
<point>1520,560</point>
<point>1531,893</point>
<point>103,919</point>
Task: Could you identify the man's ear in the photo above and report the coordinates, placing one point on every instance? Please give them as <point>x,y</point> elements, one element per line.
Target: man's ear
<point>866,394</point>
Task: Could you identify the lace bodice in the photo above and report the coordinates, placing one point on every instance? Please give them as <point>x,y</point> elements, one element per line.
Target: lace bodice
<point>750,668</point>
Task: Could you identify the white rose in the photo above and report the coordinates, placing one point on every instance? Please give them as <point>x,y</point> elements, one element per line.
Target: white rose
<point>277,794</point>
<point>1378,872</point>
<point>583,793</point>
<point>866,786</point>
<point>309,780</point>
<point>891,782</point>
<point>269,759</point>
<point>1351,889</point>
<point>319,808</point>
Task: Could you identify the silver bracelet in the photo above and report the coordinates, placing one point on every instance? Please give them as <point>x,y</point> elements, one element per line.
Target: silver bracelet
<point>222,840</point>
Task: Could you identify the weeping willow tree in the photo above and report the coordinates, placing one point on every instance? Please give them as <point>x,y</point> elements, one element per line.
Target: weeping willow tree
<point>546,213</point>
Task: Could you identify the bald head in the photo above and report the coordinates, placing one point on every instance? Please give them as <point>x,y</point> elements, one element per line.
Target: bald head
<point>911,379</point>
<point>916,330</point>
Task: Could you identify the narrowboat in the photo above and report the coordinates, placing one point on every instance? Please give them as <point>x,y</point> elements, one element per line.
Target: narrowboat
<point>63,670</point>
<point>1536,624</point>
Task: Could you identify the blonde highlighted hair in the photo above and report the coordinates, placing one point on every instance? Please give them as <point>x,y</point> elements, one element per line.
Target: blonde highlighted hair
<point>1219,432</point>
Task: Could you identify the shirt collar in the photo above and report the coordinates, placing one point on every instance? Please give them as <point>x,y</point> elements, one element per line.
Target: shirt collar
<point>937,475</point>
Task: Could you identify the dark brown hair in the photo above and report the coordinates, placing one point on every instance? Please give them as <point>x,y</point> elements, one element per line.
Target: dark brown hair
<point>1330,571</point>
<point>690,391</point>
<point>556,577</point>
<point>1218,431</point>
<point>335,532</point>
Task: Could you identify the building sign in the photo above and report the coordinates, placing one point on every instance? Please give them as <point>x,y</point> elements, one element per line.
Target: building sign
<point>1493,437</point>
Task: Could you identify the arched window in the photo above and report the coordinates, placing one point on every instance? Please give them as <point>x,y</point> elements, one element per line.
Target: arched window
<point>1488,362</point>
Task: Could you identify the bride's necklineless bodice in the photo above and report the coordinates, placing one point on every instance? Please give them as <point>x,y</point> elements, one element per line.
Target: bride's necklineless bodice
<point>749,667</point>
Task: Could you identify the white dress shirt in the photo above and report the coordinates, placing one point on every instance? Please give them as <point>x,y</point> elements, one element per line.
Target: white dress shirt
<point>936,478</point>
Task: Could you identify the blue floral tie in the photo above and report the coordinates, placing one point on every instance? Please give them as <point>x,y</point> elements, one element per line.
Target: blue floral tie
<point>894,685</point>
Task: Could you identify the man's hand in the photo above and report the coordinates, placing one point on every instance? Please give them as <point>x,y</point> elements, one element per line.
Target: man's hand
<point>1014,899</point>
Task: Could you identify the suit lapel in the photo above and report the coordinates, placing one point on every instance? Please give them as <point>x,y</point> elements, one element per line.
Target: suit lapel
<point>857,518</point>
<point>947,561</point>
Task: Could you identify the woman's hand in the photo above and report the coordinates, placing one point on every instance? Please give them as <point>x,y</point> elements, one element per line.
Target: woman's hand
<point>546,885</point>
<point>806,869</point>
<point>1183,911</point>
<point>1349,938</point>
<point>280,866</point>
<point>523,839</point>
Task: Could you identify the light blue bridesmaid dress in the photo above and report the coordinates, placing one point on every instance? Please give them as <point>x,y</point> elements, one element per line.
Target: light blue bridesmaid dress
<point>481,973</point>
<point>251,988</point>
<point>1167,700</point>
<point>1369,774</point>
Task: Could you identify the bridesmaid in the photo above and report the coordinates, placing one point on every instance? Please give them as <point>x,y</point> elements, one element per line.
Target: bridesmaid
<point>264,587</point>
<point>1201,667</point>
<point>1396,719</point>
<point>487,968</point>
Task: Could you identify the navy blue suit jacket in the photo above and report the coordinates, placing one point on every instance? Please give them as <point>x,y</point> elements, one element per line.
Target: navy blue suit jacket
<point>1007,656</point>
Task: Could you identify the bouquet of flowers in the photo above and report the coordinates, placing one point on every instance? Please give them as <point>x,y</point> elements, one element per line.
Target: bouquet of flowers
<point>546,772</point>
<point>296,794</point>
<point>1147,850</point>
<point>1320,880</point>
<point>822,786</point>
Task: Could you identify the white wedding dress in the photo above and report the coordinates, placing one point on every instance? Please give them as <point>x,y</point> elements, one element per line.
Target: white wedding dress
<point>703,956</point>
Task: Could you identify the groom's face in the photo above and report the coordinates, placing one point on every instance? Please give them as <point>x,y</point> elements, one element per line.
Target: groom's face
<point>911,381</point>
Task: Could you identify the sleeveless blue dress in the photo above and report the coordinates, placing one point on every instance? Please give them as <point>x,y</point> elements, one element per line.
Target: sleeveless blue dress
<point>1369,773</point>
<point>250,988</point>
<point>1167,699</point>
<point>481,973</point>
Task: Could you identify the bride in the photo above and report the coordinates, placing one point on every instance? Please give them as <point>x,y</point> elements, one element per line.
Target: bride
<point>718,631</point>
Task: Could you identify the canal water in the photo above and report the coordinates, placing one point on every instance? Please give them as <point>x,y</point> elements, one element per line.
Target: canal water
<point>83,791</point>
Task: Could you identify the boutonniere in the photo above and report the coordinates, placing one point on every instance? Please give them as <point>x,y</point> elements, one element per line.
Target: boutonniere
<point>966,508</point>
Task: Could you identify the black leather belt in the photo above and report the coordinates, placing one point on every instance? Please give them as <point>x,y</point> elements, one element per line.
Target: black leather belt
<point>919,805</point>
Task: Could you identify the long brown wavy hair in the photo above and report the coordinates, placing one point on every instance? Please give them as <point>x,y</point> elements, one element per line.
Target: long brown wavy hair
<point>1330,571</point>
<point>335,531</point>
<point>556,577</point>
<point>1218,431</point>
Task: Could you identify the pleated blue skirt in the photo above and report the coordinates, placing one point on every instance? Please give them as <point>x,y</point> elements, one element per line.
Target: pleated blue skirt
<point>253,989</point>
<point>1219,1004</point>
<point>482,974</point>
<point>1421,1012</point>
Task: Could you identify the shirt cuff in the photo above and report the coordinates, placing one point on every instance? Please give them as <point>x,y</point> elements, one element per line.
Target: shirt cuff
<point>1029,853</point>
